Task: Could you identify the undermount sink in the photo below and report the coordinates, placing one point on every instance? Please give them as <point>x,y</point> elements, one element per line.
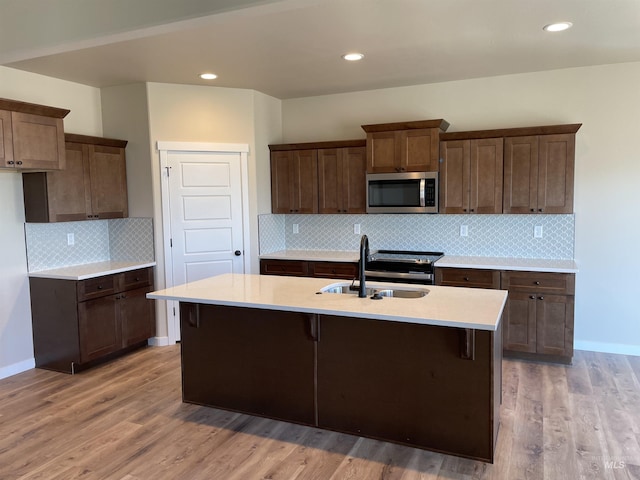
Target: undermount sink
<point>382,291</point>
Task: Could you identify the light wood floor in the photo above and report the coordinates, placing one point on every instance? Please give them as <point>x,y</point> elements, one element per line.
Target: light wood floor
<point>125,421</point>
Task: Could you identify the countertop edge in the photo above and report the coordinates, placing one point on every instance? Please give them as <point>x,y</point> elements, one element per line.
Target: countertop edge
<point>66,273</point>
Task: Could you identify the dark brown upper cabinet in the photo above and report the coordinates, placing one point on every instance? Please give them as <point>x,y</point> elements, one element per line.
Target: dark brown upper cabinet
<point>31,136</point>
<point>92,186</point>
<point>471,176</point>
<point>319,177</point>
<point>404,146</point>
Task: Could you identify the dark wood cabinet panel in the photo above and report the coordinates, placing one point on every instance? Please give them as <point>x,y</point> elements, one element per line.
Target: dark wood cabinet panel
<point>260,362</point>
<point>471,176</point>
<point>31,136</point>
<point>539,174</point>
<point>294,181</point>
<point>342,180</point>
<point>539,315</point>
<point>468,277</point>
<point>409,384</point>
<point>301,268</point>
<point>79,323</point>
<point>404,146</point>
<point>93,186</point>
<point>295,268</point>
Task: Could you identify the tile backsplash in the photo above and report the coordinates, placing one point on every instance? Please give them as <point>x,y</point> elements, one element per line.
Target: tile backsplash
<point>122,239</point>
<point>488,235</point>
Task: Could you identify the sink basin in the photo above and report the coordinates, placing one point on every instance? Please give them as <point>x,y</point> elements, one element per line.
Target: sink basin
<point>382,291</point>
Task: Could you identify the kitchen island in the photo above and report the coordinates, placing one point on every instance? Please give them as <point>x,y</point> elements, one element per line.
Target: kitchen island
<point>424,372</point>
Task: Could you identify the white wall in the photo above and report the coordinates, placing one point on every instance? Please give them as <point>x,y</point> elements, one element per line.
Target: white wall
<point>605,99</point>
<point>16,344</point>
<point>184,113</point>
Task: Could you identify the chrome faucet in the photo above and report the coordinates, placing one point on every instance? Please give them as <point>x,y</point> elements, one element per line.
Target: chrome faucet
<point>364,255</point>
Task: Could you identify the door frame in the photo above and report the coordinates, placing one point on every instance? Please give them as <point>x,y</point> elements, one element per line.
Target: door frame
<point>165,148</point>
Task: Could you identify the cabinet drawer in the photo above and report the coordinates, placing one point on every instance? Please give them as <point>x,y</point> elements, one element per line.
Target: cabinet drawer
<point>296,268</point>
<point>543,282</point>
<point>468,277</point>
<point>344,270</point>
<point>97,287</point>
<point>143,277</point>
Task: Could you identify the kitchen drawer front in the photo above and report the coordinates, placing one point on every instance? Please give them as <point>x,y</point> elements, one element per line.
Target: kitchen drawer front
<point>539,282</point>
<point>343,270</point>
<point>296,268</point>
<point>468,277</point>
<point>97,287</point>
<point>142,277</point>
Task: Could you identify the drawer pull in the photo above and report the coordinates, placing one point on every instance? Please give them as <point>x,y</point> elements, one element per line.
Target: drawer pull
<point>137,279</point>
<point>466,279</point>
<point>540,298</point>
<point>99,287</point>
<point>536,283</point>
<point>532,297</point>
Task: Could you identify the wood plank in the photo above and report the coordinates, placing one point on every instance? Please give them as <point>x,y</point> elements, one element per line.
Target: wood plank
<point>125,421</point>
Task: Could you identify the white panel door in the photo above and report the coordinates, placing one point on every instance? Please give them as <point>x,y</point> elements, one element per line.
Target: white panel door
<point>205,203</point>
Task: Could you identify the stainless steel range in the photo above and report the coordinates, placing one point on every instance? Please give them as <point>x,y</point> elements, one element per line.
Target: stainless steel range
<point>402,266</point>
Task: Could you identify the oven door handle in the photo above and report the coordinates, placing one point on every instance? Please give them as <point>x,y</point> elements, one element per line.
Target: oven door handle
<point>422,190</point>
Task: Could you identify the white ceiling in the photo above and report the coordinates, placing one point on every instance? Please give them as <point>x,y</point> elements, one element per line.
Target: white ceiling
<point>292,48</point>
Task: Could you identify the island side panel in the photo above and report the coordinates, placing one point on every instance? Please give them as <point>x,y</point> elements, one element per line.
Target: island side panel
<point>248,360</point>
<point>408,383</point>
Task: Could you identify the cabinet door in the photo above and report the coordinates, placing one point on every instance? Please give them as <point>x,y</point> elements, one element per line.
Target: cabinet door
<point>454,176</point>
<point>281,182</point>
<point>418,150</point>
<point>6,140</point>
<point>520,174</point>
<point>107,167</point>
<point>137,316</point>
<point>555,173</point>
<point>330,180</point>
<point>554,331</point>
<point>485,185</point>
<point>99,328</point>
<point>38,141</point>
<point>260,362</point>
<point>69,190</point>
<point>520,329</point>
<point>406,383</point>
<point>354,190</point>
<point>381,153</point>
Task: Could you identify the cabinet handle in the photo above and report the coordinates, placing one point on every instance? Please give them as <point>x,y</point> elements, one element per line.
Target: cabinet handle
<point>468,344</point>
<point>193,318</point>
<point>540,298</point>
<point>536,283</point>
<point>314,331</point>
<point>19,162</point>
<point>137,279</point>
<point>533,209</point>
<point>11,162</point>
<point>466,279</point>
<point>473,210</point>
<point>99,287</point>
<point>464,209</point>
<point>123,296</point>
<point>532,297</point>
<point>541,209</point>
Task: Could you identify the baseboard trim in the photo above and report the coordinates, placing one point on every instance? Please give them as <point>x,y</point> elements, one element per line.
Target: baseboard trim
<point>619,348</point>
<point>159,342</point>
<point>16,368</point>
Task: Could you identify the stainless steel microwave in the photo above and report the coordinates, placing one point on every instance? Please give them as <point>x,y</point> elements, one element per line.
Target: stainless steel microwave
<point>412,192</point>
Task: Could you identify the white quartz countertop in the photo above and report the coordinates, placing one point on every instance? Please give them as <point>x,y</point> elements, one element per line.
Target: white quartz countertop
<point>313,255</point>
<point>90,270</point>
<point>500,263</point>
<point>444,306</point>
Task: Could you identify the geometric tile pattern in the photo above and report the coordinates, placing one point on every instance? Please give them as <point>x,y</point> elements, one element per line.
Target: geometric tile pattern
<point>131,239</point>
<point>488,235</point>
<point>94,241</point>
<point>271,233</point>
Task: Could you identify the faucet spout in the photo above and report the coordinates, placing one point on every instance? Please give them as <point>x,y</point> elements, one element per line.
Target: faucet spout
<point>364,255</point>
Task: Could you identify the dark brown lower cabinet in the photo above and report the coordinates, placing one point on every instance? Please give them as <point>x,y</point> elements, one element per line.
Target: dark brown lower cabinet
<point>431,387</point>
<point>303,268</point>
<point>253,361</point>
<point>79,323</point>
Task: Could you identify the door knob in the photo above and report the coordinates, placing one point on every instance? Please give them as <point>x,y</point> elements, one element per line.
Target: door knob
<point>237,253</point>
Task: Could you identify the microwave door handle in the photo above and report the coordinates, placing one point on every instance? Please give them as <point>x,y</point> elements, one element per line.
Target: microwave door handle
<point>422,185</point>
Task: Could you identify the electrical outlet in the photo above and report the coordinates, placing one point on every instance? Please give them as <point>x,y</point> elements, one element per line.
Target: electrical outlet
<point>296,228</point>
<point>464,230</point>
<point>537,231</point>
<point>71,239</point>
<point>356,228</point>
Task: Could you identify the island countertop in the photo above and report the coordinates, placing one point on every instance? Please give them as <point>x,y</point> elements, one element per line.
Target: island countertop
<point>457,307</point>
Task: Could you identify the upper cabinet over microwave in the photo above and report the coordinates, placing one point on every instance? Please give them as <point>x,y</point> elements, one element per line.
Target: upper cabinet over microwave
<point>404,146</point>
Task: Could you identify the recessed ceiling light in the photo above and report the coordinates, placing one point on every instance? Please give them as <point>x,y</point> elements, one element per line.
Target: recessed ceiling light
<point>557,27</point>
<point>353,57</point>
<point>208,76</point>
